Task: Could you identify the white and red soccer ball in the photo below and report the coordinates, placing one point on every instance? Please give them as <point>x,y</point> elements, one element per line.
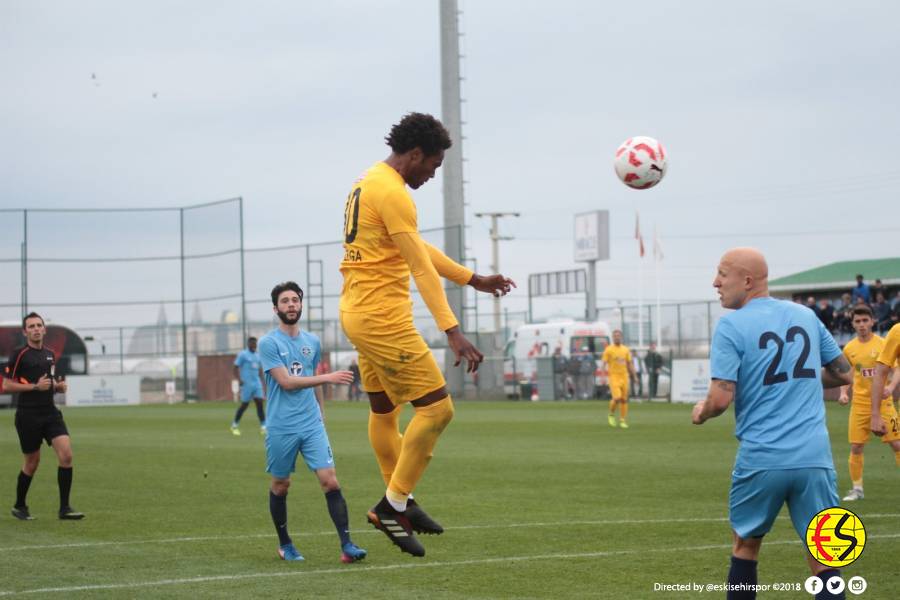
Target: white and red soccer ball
<point>641,162</point>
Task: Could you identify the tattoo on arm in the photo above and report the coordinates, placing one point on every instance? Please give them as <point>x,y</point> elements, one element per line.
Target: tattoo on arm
<point>725,386</point>
<point>837,373</point>
<point>839,366</point>
<point>719,397</point>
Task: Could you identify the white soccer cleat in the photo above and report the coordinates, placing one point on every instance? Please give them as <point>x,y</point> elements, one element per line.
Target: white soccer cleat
<point>854,494</point>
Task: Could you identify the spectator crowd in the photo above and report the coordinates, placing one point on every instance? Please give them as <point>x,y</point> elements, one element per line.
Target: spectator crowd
<point>838,316</point>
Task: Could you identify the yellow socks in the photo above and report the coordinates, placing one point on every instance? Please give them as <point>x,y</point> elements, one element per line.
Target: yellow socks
<point>612,407</point>
<point>623,406</point>
<point>384,435</point>
<point>856,469</point>
<point>897,457</point>
<point>418,442</point>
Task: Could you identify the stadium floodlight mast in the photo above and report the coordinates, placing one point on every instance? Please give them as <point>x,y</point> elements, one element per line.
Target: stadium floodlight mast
<point>495,252</point>
<point>454,205</point>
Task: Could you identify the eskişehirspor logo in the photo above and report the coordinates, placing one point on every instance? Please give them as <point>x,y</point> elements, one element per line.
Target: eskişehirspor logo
<point>836,537</point>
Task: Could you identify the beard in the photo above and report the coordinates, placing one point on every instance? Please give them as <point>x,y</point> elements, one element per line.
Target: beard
<point>286,319</point>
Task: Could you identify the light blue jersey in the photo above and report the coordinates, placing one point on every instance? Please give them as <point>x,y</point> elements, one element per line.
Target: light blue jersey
<point>248,365</point>
<point>294,411</point>
<point>774,350</point>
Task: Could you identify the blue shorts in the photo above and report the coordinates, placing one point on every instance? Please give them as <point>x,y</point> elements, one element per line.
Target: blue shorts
<point>282,449</point>
<point>249,391</point>
<point>756,498</point>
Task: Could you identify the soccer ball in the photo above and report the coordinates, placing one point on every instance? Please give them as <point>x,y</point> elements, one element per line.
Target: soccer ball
<point>641,162</point>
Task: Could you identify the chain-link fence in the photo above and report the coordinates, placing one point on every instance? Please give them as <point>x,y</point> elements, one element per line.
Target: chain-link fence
<point>150,290</point>
<point>683,329</point>
<point>138,285</point>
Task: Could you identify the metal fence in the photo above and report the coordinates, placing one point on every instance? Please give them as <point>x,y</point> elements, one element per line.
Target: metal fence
<point>149,290</point>
<point>110,273</point>
<point>685,328</point>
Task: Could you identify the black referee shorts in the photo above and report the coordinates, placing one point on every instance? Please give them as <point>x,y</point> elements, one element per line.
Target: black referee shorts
<point>34,426</point>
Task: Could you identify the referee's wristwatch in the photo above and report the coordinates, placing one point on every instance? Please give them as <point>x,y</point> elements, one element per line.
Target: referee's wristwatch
<point>34,387</point>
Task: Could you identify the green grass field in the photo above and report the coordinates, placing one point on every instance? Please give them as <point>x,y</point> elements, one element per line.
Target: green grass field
<point>539,500</point>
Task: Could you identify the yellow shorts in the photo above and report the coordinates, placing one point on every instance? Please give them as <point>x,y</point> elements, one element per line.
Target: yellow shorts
<point>860,422</point>
<point>618,388</point>
<point>393,357</point>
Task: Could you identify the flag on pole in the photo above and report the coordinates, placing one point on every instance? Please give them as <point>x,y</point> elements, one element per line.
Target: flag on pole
<point>637,233</point>
<point>657,248</point>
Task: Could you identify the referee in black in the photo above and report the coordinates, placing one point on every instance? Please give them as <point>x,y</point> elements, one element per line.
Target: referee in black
<point>31,374</point>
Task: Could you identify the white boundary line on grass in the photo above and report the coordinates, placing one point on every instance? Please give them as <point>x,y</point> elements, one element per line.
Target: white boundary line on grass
<point>394,567</point>
<point>363,531</point>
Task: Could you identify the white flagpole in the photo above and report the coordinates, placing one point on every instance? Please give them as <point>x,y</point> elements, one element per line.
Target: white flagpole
<point>657,255</point>
<point>640,281</point>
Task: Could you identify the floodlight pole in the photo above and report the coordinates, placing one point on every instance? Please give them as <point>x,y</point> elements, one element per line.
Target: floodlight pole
<point>495,252</point>
<point>243,281</point>
<point>184,372</point>
<point>24,263</point>
<point>454,205</point>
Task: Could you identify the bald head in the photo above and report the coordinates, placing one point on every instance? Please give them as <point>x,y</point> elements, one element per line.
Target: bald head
<point>750,260</point>
<point>742,275</point>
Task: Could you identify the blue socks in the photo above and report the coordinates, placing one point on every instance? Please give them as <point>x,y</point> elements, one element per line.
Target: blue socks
<point>825,594</point>
<point>337,508</point>
<point>742,574</point>
<point>278,508</point>
<point>239,412</point>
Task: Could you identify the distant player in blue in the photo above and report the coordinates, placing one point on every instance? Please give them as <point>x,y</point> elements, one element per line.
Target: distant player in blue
<point>295,426</point>
<point>772,358</point>
<point>248,372</point>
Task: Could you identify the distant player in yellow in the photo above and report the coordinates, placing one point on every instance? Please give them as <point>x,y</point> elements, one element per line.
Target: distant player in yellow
<point>618,361</point>
<point>886,426</point>
<point>862,353</point>
<point>382,247</point>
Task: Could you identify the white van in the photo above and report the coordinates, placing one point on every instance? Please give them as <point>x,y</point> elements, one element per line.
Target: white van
<point>562,338</point>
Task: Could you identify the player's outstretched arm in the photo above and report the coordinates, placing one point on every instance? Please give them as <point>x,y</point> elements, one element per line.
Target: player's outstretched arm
<point>837,373</point>
<point>412,249</point>
<point>496,285</point>
<point>877,424</point>
<point>288,382</point>
<point>447,267</point>
<point>718,399</point>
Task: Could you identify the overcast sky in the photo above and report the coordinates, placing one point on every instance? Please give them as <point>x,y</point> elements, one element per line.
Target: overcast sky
<point>780,119</point>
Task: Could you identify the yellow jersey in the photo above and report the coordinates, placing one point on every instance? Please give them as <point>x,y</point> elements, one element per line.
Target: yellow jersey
<point>863,356</point>
<point>376,275</point>
<point>891,351</point>
<point>617,359</point>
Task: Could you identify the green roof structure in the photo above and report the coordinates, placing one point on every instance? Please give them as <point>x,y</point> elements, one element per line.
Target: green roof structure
<point>840,275</point>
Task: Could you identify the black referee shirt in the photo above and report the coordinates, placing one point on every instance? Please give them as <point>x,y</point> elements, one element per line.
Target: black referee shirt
<point>28,365</point>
